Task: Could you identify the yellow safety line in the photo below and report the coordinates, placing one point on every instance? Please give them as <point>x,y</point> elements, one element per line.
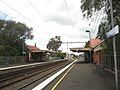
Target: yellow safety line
<point>62,78</point>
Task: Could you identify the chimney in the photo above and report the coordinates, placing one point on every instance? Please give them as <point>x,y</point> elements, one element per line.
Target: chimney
<point>35,44</point>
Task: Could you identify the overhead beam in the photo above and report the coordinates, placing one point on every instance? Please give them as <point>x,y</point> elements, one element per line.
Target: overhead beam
<point>72,42</point>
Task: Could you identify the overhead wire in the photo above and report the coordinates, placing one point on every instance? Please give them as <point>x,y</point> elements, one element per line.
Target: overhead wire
<point>6,15</point>
<point>20,14</point>
<point>16,11</point>
<point>97,21</point>
<point>94,22</point>
<point>37,10</point>
<point>34,7</point>
<point>68,13</point>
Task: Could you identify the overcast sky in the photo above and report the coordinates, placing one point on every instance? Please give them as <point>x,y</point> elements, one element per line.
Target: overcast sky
<point>49,18</point>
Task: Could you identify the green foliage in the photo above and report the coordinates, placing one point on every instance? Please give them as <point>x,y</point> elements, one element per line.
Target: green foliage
<point>74,56</point>
<point>61,55</point>
<point>102,31</point>
<point>54,43</point>
<point>88,8</point>
<point>12,36</point>
<point>7,50</point>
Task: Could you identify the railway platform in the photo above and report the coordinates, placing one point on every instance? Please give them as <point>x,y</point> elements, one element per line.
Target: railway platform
<point>83,76</point>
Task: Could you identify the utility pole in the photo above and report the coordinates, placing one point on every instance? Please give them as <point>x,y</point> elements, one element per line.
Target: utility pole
<point>90,45</point>
<point>23,49</point>
<point>114,47</point>
<point>23,52</point>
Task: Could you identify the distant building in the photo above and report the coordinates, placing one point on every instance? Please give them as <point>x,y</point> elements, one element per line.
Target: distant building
<point>35,54</point>
<point>95,50</point>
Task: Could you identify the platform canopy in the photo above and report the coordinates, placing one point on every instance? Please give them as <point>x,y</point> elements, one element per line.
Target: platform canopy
<point>80,49</point>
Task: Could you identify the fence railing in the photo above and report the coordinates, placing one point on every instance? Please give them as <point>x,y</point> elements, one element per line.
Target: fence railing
<point>108,60</point>
<point>11,60</point>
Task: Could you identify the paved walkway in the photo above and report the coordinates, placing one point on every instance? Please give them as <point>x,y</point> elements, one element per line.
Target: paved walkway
<point>84,76</point>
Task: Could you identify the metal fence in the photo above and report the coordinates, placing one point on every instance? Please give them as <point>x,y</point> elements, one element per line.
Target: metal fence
<point>108,61</point>
<point>11,60</point>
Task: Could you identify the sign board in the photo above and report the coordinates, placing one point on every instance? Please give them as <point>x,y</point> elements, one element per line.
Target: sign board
<point>113,32</point>
<point>23,52</point>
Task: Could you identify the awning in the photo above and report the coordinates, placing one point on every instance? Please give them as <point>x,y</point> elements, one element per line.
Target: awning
<point>80,49</point>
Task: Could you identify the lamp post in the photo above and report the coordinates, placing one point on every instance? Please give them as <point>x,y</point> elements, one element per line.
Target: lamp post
<point>90,45</point>
<point>114,46</point>
<point>23,52</point>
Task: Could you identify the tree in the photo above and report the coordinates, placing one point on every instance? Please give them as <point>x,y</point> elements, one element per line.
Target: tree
<point>88,7</point>
<point>54,43</point>
<point>60,54</point>
<point>12,36</point>
<point>102,31</point>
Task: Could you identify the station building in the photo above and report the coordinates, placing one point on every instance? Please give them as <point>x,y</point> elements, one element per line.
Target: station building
<point>35,54</point>
<point>93,48</point>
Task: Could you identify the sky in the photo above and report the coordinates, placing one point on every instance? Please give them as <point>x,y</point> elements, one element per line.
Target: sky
<point>50,18</point>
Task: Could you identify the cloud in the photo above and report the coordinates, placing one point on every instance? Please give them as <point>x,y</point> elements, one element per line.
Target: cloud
<point>64,8</point>
<point>59,19</point>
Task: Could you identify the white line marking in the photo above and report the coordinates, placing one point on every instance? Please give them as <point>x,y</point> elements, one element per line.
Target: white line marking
<point>50,79</point>
<point>19,66</point>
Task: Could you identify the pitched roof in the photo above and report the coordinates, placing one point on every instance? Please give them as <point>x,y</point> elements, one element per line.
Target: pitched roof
<point>36,49</point>
<point>33,48</point>
<point>95,42</point>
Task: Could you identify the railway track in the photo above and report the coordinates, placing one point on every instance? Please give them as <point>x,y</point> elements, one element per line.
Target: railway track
<point>27,77</point>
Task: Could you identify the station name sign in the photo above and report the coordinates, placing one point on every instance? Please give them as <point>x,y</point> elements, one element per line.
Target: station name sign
<point>113,32</point>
